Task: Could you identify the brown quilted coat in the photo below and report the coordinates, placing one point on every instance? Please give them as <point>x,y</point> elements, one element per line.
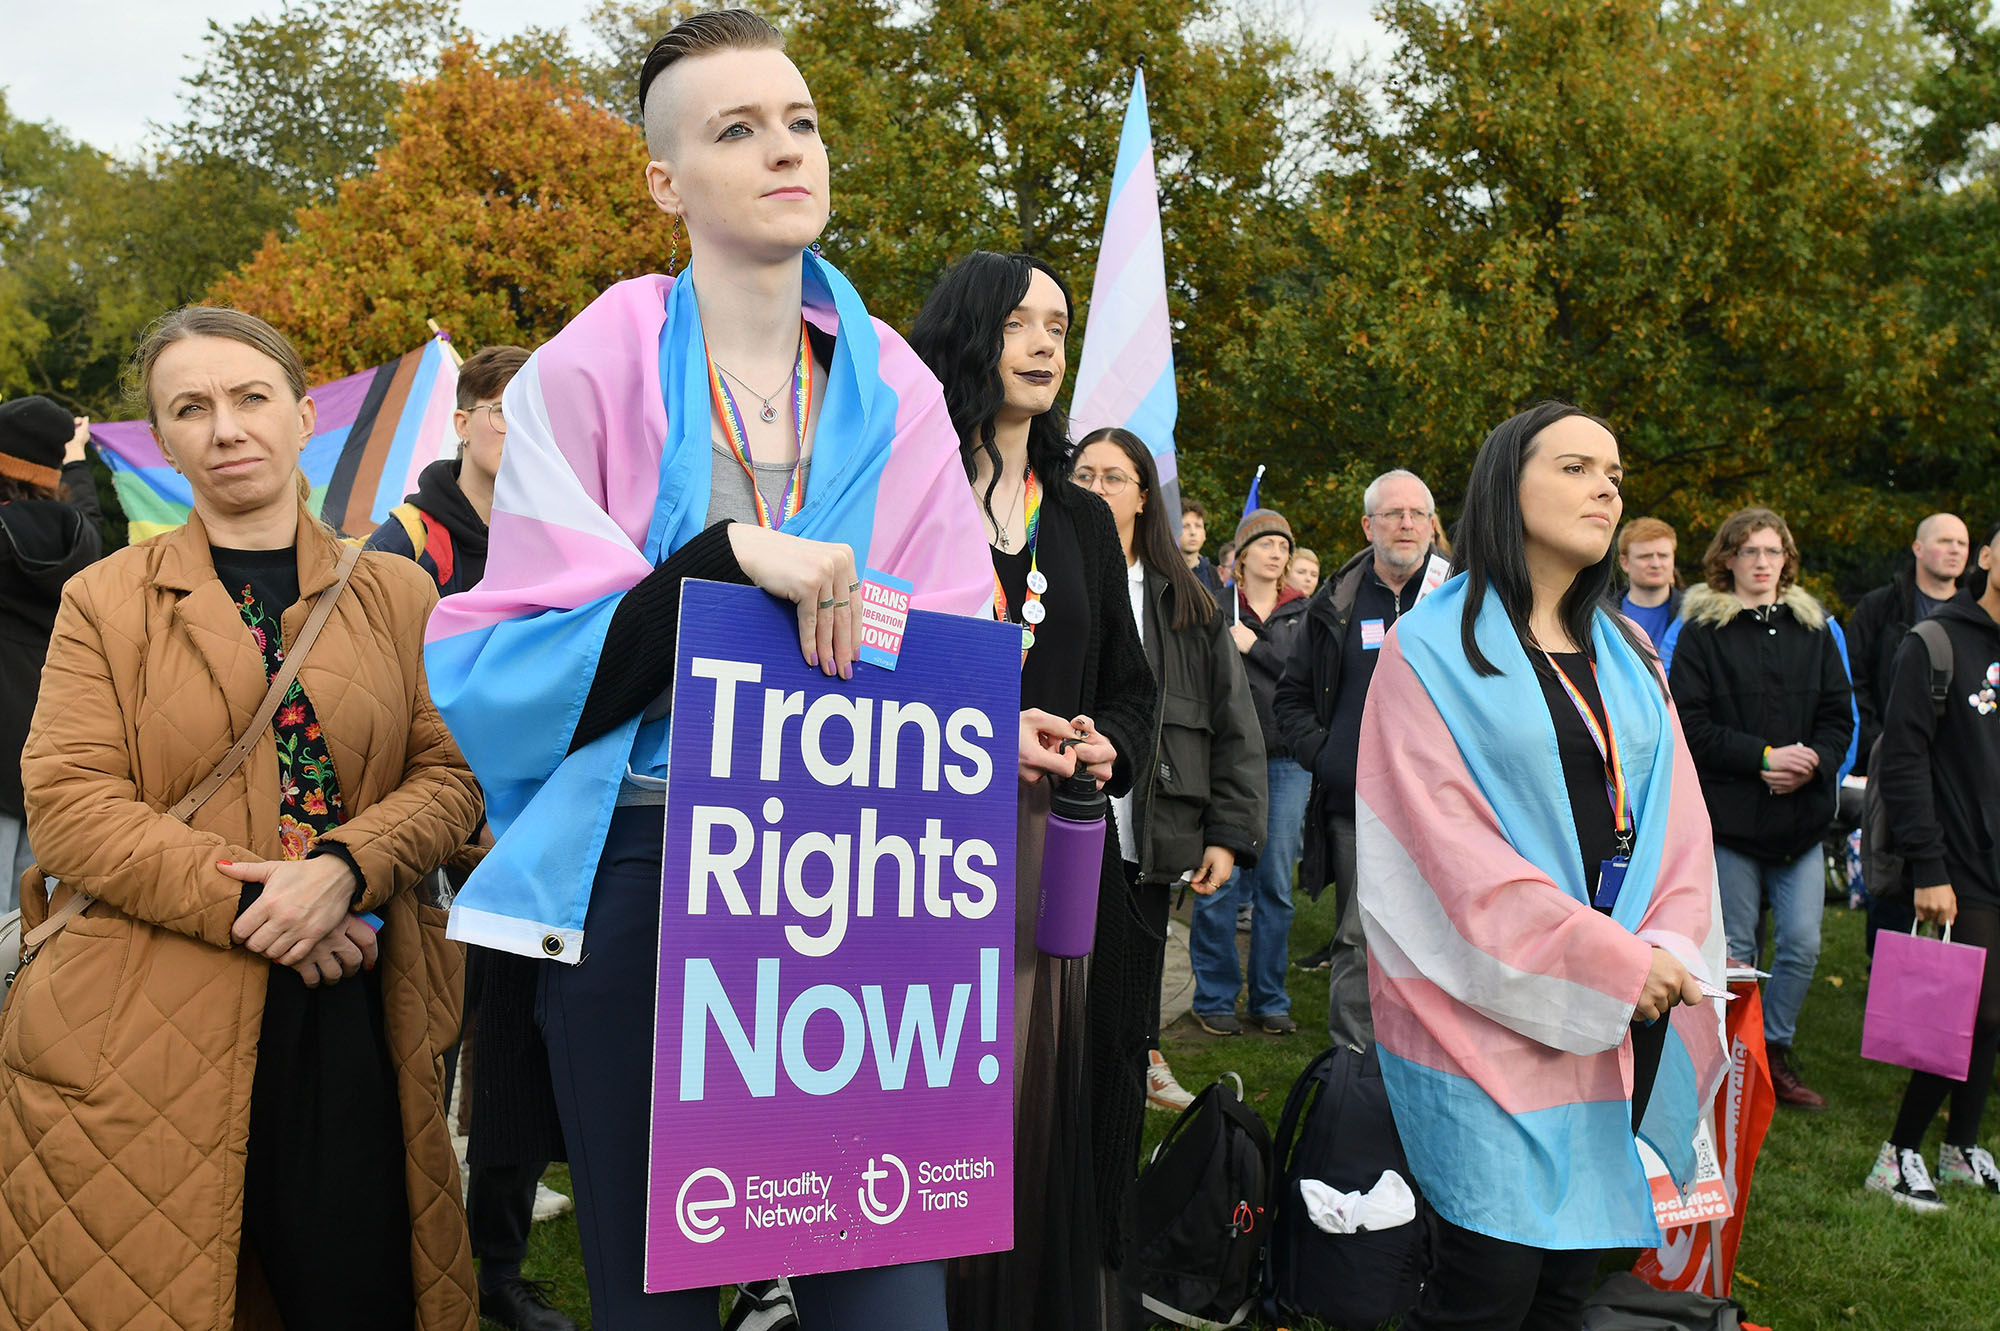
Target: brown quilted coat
<point>128,1045</point>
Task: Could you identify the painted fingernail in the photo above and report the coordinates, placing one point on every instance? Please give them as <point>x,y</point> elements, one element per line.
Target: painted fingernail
<point>812,660</point>
<point>223,864</point>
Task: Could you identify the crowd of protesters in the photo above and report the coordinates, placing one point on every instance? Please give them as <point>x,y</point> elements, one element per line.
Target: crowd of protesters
<point>1558,795</point>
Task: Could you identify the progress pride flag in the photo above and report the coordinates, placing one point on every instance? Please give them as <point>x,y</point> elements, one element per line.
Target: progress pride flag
<point>833,1079</point>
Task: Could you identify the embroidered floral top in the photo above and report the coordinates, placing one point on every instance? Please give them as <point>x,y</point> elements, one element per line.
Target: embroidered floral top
<point>264,584</point>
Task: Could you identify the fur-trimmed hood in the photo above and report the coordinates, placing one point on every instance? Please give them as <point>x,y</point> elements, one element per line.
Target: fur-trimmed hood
<point>1705,605</point>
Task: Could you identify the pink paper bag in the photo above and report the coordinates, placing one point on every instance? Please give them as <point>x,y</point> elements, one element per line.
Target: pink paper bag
<point>1922,996</point>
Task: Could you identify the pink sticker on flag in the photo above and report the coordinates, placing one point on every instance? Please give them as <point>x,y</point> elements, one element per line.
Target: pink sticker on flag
<point>885,613</point>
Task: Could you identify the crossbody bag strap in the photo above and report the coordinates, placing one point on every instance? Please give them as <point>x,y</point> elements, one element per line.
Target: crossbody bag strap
<point>281,684</point>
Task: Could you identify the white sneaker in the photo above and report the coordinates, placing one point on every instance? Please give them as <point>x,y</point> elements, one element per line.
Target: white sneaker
<point>1162,1091</point>
<point>1902,1175</point>
<point>1971,1166</point>
<point>549,1203</point>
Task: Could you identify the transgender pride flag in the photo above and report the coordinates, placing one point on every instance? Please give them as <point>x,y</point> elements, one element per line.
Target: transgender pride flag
<point>377,429</point>
<point>1127,373</point>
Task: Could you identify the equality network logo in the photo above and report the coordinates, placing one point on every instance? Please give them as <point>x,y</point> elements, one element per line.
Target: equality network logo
<point>703,1197</point>
<point>871,1197</point>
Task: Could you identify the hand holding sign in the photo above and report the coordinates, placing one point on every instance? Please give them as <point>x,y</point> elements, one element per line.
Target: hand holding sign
<point>816,576</point>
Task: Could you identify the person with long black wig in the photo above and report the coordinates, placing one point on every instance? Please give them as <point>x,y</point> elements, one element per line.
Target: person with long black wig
<point>993,330</point>
<point>1537,885</point>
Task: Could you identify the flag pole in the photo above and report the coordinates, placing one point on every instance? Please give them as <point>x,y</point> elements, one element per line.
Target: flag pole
<point>457,361</point>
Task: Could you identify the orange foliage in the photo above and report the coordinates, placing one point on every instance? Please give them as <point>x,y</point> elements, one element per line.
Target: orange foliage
<point>505,206</point>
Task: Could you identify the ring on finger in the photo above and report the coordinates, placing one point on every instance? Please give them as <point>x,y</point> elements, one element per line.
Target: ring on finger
<point>854,586</point>
<point>829,603</point>
<point>835,605</point>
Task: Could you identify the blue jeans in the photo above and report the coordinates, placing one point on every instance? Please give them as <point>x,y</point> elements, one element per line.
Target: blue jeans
<point>1268,890</point>
<point>1797,892</point>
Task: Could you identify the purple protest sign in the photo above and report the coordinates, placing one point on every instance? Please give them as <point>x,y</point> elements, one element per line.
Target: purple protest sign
<point>833,1074</point>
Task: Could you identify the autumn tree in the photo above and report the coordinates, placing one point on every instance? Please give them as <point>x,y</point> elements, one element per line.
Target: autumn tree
<point>1648,215</point>
<point>503,208</point>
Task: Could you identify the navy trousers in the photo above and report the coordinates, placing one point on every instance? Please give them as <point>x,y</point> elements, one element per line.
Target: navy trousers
<point>595,1019</point>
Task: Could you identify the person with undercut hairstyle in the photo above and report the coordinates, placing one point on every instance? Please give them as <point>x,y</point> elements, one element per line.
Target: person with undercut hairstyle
<point>629,469</point>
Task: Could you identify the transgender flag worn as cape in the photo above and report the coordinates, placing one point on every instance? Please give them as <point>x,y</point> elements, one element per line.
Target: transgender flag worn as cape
<point>1503,1003</point>
<point>605,474</point>
<point>375,431</point>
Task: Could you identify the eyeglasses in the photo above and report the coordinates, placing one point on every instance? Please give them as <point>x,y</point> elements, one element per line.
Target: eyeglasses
<point>1758,553</point>
<point>1104,482</point>
<point>1396,517</point>
<point>497,420</point>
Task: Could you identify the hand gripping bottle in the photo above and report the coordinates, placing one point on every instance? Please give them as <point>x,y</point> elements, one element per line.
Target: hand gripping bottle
<point>1072,866</point>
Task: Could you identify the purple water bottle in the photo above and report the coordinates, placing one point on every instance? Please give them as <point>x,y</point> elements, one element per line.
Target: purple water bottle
<point>1072,866</point>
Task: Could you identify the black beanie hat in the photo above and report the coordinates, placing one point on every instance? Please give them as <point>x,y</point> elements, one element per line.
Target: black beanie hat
<point>33,433</point>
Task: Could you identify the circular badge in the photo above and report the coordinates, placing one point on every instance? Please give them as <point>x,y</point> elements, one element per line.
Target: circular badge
<point>1038,583</point>
<point>1027,639</point>
<point>1034,612</point>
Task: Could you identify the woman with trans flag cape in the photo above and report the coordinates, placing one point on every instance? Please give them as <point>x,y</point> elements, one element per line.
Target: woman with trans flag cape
<point>637,458</point>
<point>1537,885</point>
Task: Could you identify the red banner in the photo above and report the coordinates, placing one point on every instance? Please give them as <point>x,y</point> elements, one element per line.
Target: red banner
<point>1703,1256</point>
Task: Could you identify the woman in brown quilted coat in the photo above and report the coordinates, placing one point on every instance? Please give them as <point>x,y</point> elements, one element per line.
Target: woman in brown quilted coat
<point>219,1085</point>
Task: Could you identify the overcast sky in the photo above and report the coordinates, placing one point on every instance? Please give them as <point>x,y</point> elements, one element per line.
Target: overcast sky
<point>102,69</point>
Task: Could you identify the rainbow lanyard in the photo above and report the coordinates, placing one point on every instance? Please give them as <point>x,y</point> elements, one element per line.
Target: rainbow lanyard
<point>1032,612</point>
<point>739,438</point>
<point>1607,749</point>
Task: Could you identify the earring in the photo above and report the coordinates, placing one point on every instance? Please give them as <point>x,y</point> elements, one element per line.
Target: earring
<point>815,248</point>
<point>674,254</point>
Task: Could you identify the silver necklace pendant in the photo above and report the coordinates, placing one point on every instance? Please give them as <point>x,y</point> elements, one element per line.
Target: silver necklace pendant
<point>1005,544</point>
<point>768,414</point>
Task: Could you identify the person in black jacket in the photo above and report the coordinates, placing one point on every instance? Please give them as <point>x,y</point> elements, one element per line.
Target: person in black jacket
<point>1199,811</point>
<point>1939,776</point>
<point>1938,773</point>
<point>443,525</point>
<point>515,1129</point>
<point>1883,617</point>
<point>48,530</point>
<point>1194,535</point>
<point>994,331</point>
<point>1264,619</point>
<point>1318,707</point>
<point>1768,712</point>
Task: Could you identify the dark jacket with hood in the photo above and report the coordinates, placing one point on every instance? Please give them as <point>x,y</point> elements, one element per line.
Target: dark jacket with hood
<point>1265,661</point>
<point>1746,679</point>
<point>439,496</point>
<point>1875,631</point>
<point>1206,786</point>
<point>1940,774</point>
<point>42,542</point>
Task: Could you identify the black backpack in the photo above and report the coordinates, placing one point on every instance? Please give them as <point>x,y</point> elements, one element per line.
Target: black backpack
<point>1200,1211</point>
<point>1338,1128</point>
<point>1886,874</point>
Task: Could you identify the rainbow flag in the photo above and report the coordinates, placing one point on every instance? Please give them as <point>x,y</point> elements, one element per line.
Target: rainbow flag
<point>377,429</point>
<point>1126,375</point>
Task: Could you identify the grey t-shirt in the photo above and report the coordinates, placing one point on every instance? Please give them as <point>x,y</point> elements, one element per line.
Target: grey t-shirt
<point>729,489</point>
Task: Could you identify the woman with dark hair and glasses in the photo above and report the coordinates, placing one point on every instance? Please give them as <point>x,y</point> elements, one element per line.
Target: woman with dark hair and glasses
<point>993,331</point>
<point>1537,886</point>
<point>1199,811</point>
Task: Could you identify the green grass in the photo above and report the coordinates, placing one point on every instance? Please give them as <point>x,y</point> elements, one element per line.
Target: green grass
<point>1817,1250</point>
